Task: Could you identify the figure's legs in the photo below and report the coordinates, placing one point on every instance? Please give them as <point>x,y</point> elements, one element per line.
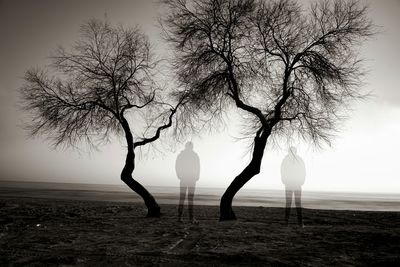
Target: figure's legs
<point>191,189</point>
<point>182,197</point>
<point>297,195</point>
<point>289,194</point>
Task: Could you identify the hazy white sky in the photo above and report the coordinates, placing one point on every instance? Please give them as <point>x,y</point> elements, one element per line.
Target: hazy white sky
<point>363,157</point>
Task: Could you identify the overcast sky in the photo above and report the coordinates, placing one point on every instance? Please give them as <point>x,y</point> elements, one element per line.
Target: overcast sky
<point>364,157</point>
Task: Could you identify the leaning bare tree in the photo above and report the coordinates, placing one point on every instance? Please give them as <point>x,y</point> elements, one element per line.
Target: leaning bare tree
<point>106,79</point>
<point>291,70</point>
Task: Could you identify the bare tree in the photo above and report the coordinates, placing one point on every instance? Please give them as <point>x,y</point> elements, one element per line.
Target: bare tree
<point>106,78</point>
<point>291,70</point>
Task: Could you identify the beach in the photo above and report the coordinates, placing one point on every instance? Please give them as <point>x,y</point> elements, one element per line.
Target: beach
<point>203,196</point>
<point>61,232</point>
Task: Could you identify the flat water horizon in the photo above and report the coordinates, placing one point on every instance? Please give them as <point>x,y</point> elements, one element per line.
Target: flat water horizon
<point>203,196</point>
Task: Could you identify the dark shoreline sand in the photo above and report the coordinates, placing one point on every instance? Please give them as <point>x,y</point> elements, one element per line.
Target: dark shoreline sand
<point>46,232</point>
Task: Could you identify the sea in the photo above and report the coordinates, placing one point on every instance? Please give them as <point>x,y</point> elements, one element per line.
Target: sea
<point>203,196</point>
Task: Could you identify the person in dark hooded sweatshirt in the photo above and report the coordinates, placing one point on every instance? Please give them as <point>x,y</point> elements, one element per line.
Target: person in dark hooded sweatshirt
<point>293,174</point>
<point>187,168</point>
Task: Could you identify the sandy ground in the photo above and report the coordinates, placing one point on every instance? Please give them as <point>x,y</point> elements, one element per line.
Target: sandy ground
<point>43,232</point>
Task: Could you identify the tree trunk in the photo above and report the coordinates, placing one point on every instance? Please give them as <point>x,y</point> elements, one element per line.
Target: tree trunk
<point>153,209</point>
<point>252,169</point>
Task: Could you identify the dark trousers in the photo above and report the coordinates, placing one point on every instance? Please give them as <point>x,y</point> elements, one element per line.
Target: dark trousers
<point>189,188</point>
<point>297,199</point>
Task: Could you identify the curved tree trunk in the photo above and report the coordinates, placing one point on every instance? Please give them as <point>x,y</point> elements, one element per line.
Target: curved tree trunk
<point>153,209</point>
<point>252,169</point>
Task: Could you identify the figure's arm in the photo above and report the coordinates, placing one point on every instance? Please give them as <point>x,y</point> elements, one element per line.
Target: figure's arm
<point>283,178</point>
<point>177,167</point>
<point>303,168</point>
<point>197,168</point>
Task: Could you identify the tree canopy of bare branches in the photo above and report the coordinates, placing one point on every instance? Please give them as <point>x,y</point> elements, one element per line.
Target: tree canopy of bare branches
<point>291,68</point>
<point>94,88</point>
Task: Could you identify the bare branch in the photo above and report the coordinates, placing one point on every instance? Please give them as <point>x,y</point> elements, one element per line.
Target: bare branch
<point>168,124</point>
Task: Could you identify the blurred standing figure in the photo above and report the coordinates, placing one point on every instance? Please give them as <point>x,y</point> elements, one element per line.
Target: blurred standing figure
<point>293,174</point>
<point>187,168</point>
